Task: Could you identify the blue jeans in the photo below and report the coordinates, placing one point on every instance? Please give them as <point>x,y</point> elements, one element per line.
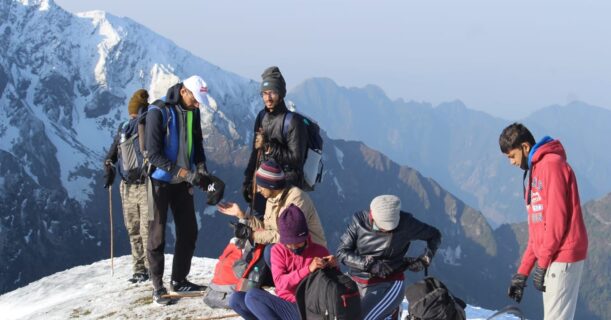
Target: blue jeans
<point>260,304</point>
<point>267,255</point>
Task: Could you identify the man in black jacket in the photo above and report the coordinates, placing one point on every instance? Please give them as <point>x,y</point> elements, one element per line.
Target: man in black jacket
<point>374,247</point>
<point>175,148</point>
<point>269,141</point>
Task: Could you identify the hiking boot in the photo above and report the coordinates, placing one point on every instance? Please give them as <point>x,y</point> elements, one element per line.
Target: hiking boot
<point>185,286</point>
<point>158,297</point>
<point>139,277</point>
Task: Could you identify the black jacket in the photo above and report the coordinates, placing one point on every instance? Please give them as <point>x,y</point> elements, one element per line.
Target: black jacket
<point>156,132</point>
<point>289,153</point>
<point>360,240</point>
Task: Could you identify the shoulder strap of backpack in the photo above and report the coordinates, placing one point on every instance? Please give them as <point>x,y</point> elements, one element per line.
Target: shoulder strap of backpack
<point>288,117</point>
<point>161,106</point>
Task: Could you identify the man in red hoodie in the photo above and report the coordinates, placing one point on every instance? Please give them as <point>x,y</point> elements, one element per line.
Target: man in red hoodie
<point>557,237</point>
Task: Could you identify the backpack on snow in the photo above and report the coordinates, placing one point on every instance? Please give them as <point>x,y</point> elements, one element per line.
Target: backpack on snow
<point>430,299</point>
<point>312,166</point>
<point>328,294</point>
<point>251,269</point>
<point>224,279</point>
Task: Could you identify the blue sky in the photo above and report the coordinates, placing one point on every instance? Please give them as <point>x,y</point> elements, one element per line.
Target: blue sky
<point>507,58</point>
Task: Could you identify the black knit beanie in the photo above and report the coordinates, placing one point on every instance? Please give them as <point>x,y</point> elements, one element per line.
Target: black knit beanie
<point>272,79</point>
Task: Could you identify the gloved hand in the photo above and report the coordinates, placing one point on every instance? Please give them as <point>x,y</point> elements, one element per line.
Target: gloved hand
<point>516,288</point>
<point>380,269</point>
<point>193,178</point>
<point>242,231</point>
<point>247,190</point>
<point>413,264</point>
<point>539,278</point>
<point>426,257</point>
<point>109,173</point>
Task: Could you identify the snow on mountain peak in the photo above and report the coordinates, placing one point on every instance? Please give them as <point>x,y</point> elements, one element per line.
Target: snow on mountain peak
<point>43,5</point>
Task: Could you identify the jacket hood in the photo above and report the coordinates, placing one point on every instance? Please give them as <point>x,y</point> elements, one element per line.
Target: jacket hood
<point>280,108</point>
<point>547,145</point>
<point>173,94</point>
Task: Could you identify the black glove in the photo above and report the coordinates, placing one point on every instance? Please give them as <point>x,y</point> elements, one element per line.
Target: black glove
<point>539,278</point>
<point>380,269</point>
<point>242,231</point>
<point>413,264</point>
<point>516,289</point>
<point>109,174</point>
<point>247,191</point>
<point>192,177</point>
<point>214,188</point>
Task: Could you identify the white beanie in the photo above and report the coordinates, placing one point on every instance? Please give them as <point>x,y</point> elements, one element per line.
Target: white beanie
<point>385,211</point>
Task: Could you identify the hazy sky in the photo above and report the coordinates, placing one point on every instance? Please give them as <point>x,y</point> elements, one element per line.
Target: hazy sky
<point>507,58</point>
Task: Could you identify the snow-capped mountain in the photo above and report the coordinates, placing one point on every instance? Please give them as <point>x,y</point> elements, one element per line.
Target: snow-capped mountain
<point>64,84</point>
<point>93,292</point>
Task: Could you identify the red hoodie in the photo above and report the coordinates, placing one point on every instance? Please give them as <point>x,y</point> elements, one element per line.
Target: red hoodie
<point>556,231</point>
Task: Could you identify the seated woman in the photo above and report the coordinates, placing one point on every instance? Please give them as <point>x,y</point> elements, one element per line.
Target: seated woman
<point>293,258</point>
<point>373,248</point>
<point>271,184</point>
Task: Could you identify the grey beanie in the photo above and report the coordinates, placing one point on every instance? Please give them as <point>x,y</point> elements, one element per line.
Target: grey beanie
<point>272,79</point>
<point>385,211</point>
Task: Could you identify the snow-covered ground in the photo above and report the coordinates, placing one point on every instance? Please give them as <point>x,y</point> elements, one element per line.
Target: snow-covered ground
<point>91,292</point>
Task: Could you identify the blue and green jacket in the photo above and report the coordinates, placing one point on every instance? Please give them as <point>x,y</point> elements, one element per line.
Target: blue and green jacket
<point>173,137</point>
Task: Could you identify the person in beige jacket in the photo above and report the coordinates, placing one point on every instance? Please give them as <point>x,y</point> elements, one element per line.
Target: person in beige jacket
<point>271,184</point>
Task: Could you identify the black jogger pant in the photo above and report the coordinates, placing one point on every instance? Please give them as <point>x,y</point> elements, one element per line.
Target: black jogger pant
<point>179,198</point>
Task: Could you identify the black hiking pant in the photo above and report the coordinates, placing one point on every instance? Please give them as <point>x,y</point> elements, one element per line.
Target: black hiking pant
<point>179,198</point>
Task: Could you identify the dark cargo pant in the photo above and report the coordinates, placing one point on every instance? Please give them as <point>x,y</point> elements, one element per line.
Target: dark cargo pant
<point>179,198</point>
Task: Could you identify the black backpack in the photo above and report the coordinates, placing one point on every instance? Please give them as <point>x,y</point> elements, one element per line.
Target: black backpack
<point>430,299</point>
<point>328,294</point>
<point>312,166</point>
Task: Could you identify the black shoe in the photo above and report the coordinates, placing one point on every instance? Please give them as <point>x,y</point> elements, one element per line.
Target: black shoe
<point>185,286</point>
<point>159,299</point>
<point>139,277</point>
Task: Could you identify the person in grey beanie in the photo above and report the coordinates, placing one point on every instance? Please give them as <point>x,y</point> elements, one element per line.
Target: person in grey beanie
<point>374,247</point>
<point>269,142</point>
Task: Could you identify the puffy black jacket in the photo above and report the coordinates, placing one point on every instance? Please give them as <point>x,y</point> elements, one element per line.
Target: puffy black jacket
<point>289,153</point>
<point>360,241</point>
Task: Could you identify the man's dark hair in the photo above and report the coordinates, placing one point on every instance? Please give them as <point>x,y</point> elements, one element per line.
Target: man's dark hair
<point>513,136</point>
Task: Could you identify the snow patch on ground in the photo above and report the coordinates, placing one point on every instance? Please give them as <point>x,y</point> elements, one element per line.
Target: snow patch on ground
<point>100,293</point>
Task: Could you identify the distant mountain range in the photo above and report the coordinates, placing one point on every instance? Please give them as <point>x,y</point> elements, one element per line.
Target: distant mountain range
<point>64,85</point>
<point>457,146</point>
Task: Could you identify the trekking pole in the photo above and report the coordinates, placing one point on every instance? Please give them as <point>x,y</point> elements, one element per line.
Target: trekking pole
<point>112,265</point>
<point>231,315</point>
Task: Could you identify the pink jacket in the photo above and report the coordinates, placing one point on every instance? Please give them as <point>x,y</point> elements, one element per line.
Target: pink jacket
<point>288,269</point>
<point>556,231</point>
